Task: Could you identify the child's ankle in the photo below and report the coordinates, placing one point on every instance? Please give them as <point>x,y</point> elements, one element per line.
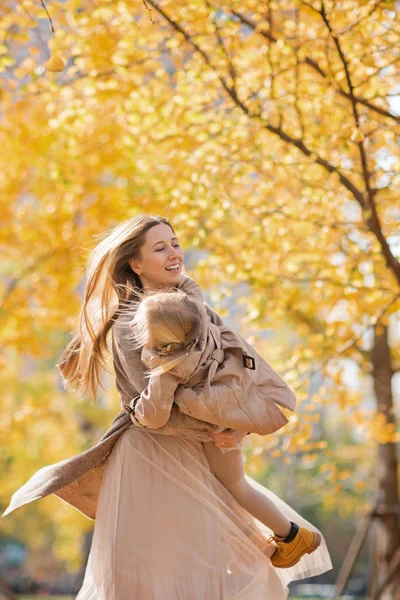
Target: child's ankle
<point>291,535</point>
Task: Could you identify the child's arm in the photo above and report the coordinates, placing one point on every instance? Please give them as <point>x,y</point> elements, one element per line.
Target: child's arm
<point>153,408</point>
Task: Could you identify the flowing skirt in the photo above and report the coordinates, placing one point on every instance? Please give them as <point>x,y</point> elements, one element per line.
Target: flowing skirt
<point>166,529</point>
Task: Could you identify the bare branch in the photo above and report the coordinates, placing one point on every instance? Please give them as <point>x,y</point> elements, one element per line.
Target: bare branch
<point>48,16</point>
<point>316,67</point>
<point>221,44</point>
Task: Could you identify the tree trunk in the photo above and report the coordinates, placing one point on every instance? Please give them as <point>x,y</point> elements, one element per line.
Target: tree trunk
<point>6,591</point>
<point>387,520</point>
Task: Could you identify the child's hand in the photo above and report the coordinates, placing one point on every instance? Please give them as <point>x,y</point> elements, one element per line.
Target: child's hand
<point>228,438</point>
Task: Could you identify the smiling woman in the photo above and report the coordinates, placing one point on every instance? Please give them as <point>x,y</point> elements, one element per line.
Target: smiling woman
<point>165,527</point>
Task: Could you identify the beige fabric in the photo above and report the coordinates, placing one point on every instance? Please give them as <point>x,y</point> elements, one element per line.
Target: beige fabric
<point>166,529</point>
<point>212,384</point>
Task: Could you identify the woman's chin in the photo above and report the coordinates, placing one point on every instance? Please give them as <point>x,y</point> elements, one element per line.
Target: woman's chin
<point>174,278</point>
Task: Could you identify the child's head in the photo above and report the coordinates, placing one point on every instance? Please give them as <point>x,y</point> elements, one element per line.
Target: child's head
<point>166,322</point>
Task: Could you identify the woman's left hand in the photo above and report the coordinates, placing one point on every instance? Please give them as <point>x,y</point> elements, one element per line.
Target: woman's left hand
<point>228,438</point>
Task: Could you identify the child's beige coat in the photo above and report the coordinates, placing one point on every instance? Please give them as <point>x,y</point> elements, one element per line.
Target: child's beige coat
<point>212,384</point>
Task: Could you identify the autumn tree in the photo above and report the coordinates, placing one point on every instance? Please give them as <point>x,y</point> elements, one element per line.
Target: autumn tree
<point>268,133</point>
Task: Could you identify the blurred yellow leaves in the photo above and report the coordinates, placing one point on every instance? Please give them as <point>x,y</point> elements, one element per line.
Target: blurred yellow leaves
<point>138,121</point>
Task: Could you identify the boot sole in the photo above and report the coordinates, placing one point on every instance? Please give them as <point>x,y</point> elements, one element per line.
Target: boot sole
<point>315,544</point>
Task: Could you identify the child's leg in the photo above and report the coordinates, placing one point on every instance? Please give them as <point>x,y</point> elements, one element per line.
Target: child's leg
<point>293,541</point>
<point>229,470</point>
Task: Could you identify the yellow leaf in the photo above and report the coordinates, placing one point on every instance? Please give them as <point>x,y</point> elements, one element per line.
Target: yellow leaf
<point>55,64</point>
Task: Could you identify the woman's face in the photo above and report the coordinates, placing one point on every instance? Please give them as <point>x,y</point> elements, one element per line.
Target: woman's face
<point>160,250</point>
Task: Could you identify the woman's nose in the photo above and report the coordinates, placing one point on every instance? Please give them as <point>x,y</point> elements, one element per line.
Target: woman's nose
<point>174,253</point>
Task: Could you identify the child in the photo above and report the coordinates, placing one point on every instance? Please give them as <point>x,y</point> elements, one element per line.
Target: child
<point>169,327</point>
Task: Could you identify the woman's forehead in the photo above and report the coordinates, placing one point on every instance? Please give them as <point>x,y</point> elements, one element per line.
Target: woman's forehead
<point>159,233</point>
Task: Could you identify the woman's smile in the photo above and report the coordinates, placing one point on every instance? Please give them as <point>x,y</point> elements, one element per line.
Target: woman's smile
<point>174,268</point>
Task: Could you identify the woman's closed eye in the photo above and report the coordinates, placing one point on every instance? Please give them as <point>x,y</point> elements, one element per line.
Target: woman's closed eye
<point>159,249</point>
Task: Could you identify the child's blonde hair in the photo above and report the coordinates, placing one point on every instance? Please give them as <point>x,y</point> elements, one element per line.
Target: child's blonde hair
<point>167,322</point>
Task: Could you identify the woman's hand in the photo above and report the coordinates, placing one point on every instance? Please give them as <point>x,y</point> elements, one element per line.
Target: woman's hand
<point>228,438</point>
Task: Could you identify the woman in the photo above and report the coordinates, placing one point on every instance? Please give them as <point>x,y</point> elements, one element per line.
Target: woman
<point>165,527</point>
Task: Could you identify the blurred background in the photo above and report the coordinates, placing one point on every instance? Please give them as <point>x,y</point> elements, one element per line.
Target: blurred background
<point>268,133</point>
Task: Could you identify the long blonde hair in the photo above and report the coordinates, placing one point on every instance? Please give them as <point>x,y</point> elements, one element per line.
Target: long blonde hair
<point>167,322</point>
<point>110,285</point>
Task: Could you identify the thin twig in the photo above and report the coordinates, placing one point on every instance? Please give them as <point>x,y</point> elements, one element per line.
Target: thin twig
<point>48,16</point>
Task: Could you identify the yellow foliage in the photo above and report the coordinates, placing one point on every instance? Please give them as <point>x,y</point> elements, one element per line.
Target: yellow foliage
<point>254,152</point>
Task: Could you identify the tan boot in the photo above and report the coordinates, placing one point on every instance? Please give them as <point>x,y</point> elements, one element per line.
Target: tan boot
<point>288,554</point>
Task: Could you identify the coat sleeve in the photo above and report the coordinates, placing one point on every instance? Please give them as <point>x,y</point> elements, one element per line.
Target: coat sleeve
<point>153,408</point>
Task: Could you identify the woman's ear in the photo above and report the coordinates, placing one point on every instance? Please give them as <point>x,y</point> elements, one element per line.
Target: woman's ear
<point>134,267</point>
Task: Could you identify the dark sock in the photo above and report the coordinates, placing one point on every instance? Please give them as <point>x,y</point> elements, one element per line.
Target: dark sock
<point>292,533</point>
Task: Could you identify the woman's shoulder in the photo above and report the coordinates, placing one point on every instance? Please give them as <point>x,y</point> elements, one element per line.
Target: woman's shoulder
<point>123,318</point>
<point>213,316</point>
<point>190,287</point>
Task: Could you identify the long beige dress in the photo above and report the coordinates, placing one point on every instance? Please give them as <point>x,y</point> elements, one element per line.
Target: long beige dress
<point>166,529</point>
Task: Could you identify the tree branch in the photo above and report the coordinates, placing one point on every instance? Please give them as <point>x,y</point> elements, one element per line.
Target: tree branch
<point>371,214</point>
<point>316,67</point>
<point>366,203</point>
